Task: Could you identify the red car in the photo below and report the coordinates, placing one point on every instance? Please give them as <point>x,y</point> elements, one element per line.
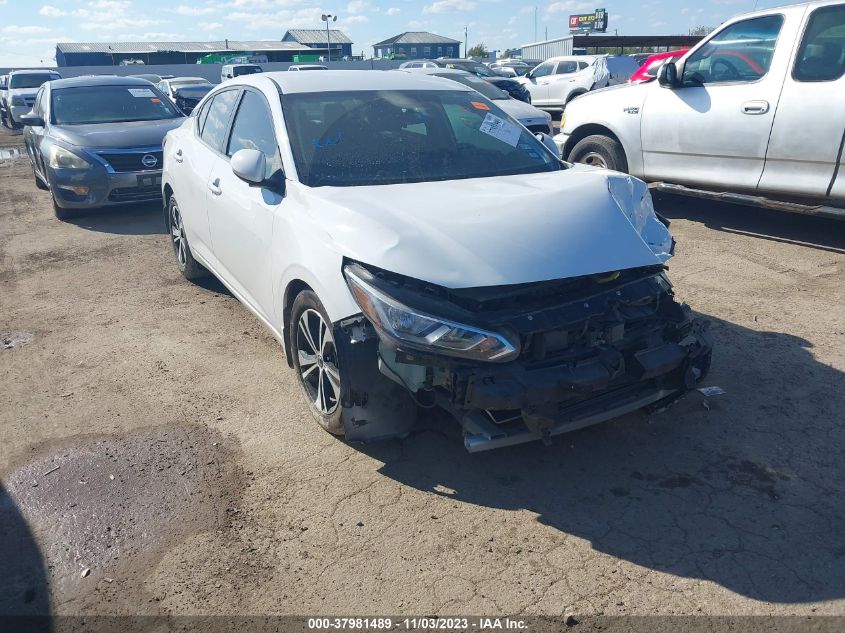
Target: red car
<point>648,71</point>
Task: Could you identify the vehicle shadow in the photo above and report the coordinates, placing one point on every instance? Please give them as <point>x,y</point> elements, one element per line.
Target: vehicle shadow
<point>24,590</point>
<point>778,226</point>
<point>135,219</point>
<point>745,492</point>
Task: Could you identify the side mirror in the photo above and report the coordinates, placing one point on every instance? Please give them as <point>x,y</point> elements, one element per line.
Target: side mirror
<point>529,74</point>
<point>250,165</point>
<point>549,142</point>
<point>667,76</point>
<point>32,120</point>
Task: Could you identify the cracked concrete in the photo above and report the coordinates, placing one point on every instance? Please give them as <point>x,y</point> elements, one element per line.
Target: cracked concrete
<point>736,509</point>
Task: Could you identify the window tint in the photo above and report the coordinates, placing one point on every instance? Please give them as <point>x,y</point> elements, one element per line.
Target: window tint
<point>822,53</point>
<point>84,105</point>
<point>384,137</point>
<point>544,69</point>
<point>253,129</point>
<point>741,53</point>
<point>217,118</point>
<point>565,68</point>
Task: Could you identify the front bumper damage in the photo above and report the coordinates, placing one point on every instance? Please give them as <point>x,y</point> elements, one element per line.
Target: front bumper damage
<point>592,349</point>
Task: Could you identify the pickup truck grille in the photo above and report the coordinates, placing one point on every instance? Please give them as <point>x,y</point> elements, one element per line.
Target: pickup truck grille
<point>124,162</point>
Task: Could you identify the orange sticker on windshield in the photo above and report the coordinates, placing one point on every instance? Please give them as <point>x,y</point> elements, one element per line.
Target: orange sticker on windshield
<point>156,100</point>
<point>479,106</point>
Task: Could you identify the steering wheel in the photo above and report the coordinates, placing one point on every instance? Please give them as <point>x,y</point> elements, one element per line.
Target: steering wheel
<point>723,70</point>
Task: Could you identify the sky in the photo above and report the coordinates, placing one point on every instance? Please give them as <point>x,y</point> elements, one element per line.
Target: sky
<point>30,29</point>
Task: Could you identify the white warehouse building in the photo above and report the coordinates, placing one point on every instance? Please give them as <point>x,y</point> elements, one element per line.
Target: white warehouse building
<point>541,51</point>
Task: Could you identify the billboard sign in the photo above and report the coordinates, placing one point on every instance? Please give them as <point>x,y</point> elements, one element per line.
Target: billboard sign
<point>589,22</point>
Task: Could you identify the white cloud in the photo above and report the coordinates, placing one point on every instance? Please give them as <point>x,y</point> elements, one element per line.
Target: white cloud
<point>567,6</point>
<point>50,11</point>
<point>210,26</point>
<point>393,11</point>
<point>447,6</point>
<point>356,19</point>
<point>25,30</point>
<point>184,9</point>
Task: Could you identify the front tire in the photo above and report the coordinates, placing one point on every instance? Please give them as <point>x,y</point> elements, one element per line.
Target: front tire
<point>315,358</point>
<point>188,266</point>
<point>600,151</point>
<point>63,215</point>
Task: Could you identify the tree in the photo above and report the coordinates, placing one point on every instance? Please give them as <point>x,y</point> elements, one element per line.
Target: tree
<point>701,30</point>
<point>479,50</point>
<point>512,52</point>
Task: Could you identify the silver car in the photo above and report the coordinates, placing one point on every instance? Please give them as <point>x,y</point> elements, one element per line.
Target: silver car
<point>97,141</point>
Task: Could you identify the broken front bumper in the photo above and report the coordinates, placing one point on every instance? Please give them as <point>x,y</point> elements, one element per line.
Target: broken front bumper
<point>591,351</point>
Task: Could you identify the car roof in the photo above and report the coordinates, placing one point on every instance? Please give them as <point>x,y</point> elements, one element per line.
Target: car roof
<point>572,58</point>
<point>100,80</point>
<point>34,71</point>
<point>178,79</point>
<point>437,71</point>
<point>339,80</point>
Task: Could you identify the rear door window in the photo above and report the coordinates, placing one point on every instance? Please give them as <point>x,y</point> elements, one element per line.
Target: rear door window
<point>822,53</point>
<point>216,122</point>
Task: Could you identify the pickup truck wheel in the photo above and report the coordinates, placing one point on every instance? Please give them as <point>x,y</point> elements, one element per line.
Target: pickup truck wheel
<point>600,151</point>
<point>315,358</point>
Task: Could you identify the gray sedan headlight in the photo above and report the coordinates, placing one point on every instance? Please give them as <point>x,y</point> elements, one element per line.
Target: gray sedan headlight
<point>61,158</point>
<point>415,329</point>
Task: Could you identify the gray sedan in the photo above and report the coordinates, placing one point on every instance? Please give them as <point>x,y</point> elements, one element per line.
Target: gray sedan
<point>97,141</point>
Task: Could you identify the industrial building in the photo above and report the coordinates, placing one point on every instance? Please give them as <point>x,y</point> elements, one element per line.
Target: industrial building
<point>417,45</point>
<point>162,53</point>
<point>341,45</point>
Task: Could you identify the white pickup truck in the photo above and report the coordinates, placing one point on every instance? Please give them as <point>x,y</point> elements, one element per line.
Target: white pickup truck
<point>754,113</point>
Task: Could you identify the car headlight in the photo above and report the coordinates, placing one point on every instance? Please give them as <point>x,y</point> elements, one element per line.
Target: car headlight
<point>412,328</point>
<point>18,100</point>
<point>61,158</point>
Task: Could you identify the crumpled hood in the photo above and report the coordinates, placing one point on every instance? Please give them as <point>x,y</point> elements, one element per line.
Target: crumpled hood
<point>116,135</point>
<point>520,110</point>
<point>485,231</point>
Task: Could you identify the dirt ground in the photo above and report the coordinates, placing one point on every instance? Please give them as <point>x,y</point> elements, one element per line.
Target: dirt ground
<point>156,456</point>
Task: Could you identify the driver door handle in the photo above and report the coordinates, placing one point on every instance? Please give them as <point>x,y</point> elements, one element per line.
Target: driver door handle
<point>214,187</point>
<point>755,107</point>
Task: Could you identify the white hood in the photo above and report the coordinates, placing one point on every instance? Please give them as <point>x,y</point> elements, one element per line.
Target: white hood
<point>486,231</point>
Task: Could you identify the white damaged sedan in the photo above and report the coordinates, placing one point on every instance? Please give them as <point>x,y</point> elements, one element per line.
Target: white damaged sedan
<point>409,244</point>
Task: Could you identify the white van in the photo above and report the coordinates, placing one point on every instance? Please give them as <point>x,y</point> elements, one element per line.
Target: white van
<point>230,71</point>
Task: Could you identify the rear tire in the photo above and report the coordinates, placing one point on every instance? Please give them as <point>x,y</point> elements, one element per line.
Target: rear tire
<point>600,151</point>
<point>315,359</point>
<point>188,266</point>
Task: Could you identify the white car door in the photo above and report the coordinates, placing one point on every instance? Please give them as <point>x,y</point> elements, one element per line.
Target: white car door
<point>713,128</point>
<point>537,82</point>
<point>194,155</point>
<point>241,214</point>
<point>807,136</point>
<point>564,80</point>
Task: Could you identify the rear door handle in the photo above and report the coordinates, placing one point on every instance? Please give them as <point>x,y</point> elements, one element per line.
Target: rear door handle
<point>755,107</point>
<point>179,157</point>
<point>214,187</point>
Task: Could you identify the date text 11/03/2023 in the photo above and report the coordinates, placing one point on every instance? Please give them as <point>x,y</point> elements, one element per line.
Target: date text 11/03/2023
<point>418,624</point>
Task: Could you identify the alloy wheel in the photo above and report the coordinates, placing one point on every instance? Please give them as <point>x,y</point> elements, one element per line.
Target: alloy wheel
<point>318,361</point>
<point>177,233</point>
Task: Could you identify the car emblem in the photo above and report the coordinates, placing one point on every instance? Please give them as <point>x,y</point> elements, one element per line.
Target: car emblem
<point>149,161</point>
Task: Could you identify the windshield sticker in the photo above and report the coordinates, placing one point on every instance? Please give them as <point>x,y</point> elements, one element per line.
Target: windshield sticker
<point>500,129</point>
<point>480,106</point>
<point>140,93</point>
<point>154,100</point>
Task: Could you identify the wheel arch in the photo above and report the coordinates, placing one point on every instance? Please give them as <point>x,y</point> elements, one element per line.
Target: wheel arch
<point>294,288</point>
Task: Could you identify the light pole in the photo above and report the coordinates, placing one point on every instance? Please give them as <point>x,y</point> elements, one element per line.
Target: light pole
<point>328,17</point>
